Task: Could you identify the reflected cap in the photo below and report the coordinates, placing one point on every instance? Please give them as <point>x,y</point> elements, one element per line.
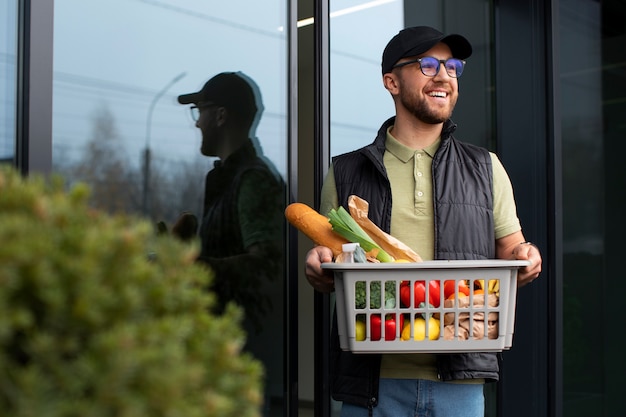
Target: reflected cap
<point>231,90</point>
<point>416,40</point>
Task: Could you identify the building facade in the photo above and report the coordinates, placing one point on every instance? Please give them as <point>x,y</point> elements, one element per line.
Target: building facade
<point>89,90</point>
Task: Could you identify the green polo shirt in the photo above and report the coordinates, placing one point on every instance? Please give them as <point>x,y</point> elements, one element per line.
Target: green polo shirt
<point>410,175</point>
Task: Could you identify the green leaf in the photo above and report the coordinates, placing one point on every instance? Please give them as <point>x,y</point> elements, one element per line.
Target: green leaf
<point>344,225</point>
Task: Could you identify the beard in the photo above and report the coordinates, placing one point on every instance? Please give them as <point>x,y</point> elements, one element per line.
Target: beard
<point>421,109</point>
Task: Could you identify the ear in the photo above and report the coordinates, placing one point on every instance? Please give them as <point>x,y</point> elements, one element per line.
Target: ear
<point>221,115</point>
<point>390,81</point>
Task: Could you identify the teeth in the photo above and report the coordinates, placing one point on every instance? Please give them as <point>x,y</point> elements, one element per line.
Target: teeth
<point>438,94</point>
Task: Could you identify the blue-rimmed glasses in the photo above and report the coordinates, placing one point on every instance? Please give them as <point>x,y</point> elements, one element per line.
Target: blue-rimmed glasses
<point>430,66</point>
<point>195,110</point>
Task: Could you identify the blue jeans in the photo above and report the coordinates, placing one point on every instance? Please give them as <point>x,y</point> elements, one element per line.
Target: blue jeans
<point>421,398</point>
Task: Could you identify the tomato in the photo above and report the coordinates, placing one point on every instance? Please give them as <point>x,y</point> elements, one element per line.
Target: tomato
<point>390,326</point>
<point>448,288</point>
<point>453,296</point>
<point>419,290</point>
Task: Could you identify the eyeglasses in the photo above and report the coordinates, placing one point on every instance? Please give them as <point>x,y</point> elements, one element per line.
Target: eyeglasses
<point>430,66</point>
<point>195,110</point>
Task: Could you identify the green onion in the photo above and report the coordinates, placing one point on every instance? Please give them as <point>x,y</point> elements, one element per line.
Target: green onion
<point>343,224</point>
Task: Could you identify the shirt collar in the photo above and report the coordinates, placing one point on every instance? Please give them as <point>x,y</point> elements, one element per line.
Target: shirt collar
<point>404,153</point>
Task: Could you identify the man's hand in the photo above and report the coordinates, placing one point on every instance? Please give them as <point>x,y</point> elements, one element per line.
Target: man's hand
<point>186,227</point>
<point>320,279</point>
<point>514,246</point>
<point>527,251</point>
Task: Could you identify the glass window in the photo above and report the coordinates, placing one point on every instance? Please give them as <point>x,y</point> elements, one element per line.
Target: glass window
<point>119,69</point>
<point>8,79</point>
<point>359,104</point>
<point>593,102</point>
<point>359,101</point>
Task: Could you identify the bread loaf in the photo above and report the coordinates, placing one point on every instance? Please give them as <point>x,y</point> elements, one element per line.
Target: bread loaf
<point>315,226</point>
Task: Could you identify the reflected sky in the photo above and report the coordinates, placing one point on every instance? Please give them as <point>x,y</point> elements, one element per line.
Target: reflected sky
<point>8,57</point>
<point>119,55</point>
<point>359,101</point>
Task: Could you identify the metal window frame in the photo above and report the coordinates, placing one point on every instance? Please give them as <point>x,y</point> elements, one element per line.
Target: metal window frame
<point>34,86</point>
<point>290,329</point>
<point>321,303</point>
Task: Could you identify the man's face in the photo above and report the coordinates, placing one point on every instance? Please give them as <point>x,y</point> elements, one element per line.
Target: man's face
<point>208,122</point>
<point>429,99</point>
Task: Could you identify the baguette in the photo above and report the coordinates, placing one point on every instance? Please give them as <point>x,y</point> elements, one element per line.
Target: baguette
<point>359,210</point>
<point>315,226</point>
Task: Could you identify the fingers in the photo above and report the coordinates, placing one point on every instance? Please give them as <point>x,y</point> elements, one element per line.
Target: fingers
<point>529,273</point>
<point>320,279</point>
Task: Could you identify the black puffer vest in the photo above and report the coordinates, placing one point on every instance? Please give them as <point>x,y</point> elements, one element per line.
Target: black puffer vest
<point>220,229</point>
<point>220,220</point>
<point>464,229</point>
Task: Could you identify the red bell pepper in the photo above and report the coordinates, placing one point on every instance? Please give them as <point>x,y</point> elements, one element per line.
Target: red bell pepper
<point>419,290</point>
<point>390,326</point>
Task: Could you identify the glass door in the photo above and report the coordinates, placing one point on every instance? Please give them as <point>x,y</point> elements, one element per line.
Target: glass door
<point>120,125</point>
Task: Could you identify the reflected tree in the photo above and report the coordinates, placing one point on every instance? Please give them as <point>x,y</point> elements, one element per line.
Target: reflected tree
<point>106,168</point>
<point>116,181</point>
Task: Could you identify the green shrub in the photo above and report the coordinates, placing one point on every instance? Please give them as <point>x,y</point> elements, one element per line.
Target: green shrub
<point>92,326</point>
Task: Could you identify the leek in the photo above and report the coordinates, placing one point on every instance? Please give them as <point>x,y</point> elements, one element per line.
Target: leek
<point>344,225</point>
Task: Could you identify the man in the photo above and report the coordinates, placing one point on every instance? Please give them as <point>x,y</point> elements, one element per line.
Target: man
<point>242,220</point>
<point>443,198</point>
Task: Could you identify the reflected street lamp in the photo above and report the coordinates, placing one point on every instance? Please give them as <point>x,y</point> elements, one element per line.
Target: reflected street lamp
<point>147,154</point>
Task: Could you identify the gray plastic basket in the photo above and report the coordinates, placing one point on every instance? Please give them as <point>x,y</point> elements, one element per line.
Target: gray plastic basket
<point>462,328</point>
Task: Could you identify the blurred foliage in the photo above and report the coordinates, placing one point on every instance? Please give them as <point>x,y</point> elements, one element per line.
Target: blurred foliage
<point>100,317</point>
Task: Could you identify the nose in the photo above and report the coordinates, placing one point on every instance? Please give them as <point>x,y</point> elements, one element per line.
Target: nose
<point>442,71</point>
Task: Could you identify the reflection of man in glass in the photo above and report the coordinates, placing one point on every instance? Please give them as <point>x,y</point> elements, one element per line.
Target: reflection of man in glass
<point>242,223</point>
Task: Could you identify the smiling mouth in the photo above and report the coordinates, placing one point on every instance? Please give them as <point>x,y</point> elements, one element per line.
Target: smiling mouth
<point>440,94</point>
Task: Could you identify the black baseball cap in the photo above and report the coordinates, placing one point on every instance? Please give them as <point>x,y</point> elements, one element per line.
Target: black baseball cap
<point>419,39</point>
<point>229,89</point>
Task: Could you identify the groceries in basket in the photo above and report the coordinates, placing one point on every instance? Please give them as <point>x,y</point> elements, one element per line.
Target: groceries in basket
<point>374,295</point>
<point>439,306</point>
<point>477,325</point>
<point>389,300</point>
<point>341,227</point>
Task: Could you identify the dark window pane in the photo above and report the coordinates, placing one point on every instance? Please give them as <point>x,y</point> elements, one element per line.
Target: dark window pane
<point>593,88</point>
